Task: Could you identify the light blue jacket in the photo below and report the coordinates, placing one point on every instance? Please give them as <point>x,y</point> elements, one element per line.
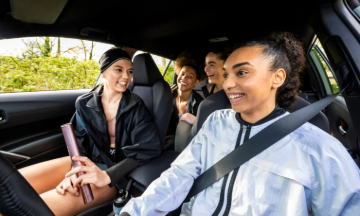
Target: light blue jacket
<point>307,172</point>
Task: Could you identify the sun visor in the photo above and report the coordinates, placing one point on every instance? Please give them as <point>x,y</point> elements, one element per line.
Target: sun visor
<point>37,11</point>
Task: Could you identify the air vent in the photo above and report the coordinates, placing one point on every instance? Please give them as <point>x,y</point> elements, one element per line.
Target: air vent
<point>218,39</point>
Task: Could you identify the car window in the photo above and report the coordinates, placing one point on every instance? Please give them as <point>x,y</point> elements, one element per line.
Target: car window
<point>162,64</point>
<point>49,63</point>
<point>320,60</point>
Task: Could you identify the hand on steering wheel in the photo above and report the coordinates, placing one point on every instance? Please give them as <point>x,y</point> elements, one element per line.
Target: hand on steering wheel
<point>92,175</point>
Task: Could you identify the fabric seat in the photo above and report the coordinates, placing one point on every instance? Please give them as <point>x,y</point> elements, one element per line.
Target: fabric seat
<point>218,101</point>
<point>149,84</point>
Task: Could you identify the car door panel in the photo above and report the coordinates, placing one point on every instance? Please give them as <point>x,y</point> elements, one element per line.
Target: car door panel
<point>31,130</point>
<point>339,119</point>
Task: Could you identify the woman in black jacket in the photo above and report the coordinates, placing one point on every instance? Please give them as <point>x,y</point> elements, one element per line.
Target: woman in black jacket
<point>110,119</point>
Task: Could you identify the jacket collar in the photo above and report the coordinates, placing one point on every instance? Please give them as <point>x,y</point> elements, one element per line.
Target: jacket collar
<point>127,101</point>
<point>278,111</point>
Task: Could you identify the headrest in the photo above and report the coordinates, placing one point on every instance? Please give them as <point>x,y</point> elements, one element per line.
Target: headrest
<point>146,73</point>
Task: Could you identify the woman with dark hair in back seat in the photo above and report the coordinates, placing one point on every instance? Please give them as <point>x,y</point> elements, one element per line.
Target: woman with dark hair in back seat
<point>186,100</point>
<point>115,121</point>
<point>307,172</point>
<point>214,63</point>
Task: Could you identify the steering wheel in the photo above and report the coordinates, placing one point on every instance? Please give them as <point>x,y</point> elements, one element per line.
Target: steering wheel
<point>16,195</point>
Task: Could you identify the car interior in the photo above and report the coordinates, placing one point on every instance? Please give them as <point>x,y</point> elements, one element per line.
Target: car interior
<point>30,121</point>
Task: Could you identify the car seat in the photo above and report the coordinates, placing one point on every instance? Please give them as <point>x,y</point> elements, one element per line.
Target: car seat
<point>149,84</point>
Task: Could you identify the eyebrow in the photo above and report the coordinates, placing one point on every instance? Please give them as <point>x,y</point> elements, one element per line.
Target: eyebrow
<point>241,64</point>
<point>211,62</point>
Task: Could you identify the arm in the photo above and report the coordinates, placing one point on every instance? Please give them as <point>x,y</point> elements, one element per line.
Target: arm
<point>335,182</point>
<point>168,191</point>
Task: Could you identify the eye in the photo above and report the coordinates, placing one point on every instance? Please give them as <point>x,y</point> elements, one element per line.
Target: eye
<point>119,70</point>
<point>225,75</point>
<point>240,73</point>
<point>130,72</point>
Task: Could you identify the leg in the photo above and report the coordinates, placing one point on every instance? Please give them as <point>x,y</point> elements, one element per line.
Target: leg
<point>69,204</point>
<point>46,175</point>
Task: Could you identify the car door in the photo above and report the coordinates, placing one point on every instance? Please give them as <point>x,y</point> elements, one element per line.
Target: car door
<point>338,30</point>
<point>340,121</point>
<point>38,90</point>
<point>30,124</point>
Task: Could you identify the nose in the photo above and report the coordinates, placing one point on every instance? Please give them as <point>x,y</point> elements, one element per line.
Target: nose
<point>229,83</point>
<point>125,75</point>
<point>206,69</point>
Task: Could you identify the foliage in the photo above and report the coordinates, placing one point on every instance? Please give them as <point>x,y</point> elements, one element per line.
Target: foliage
<point>169,74</point>
<point>333,83</point>
<point>46,73</point>
<point>41,46</point>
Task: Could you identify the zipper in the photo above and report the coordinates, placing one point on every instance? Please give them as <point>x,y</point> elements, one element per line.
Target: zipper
<point>244,129</point>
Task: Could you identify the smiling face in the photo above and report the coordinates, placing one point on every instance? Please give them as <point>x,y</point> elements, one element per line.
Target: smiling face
<point>118,75</point>
<point>187,79</point>
<point>249,83</point>
<point>213,68</point>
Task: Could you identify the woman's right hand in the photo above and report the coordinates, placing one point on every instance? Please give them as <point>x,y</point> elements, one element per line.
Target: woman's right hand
<point>67,185</point>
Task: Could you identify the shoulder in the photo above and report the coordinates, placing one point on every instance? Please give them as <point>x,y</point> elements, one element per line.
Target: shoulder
<point>139,104</point>
<point>83,99</point>
<point>223,116</point>
<point>319,145</point>
<point>197,97</point>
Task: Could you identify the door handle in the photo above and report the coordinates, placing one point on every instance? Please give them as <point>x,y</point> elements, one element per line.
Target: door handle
<point>342,130</point>
<point>2,116</point>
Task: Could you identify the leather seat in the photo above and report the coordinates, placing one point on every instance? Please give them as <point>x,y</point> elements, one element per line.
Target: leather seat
<point>149,84</point>
<point>218,101</point>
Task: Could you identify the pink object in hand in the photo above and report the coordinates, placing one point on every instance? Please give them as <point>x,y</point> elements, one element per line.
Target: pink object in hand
<point>72,146</point>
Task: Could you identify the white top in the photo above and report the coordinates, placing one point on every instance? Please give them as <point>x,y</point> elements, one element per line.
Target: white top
<point>308,172</point>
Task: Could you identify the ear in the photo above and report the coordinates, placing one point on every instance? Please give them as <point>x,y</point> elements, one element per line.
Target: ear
<point>197,82</point>
<point>279,77</point>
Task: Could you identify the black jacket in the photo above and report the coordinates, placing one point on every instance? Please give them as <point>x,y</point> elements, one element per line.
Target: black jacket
<point>136,135</point>
<point>193,105</point>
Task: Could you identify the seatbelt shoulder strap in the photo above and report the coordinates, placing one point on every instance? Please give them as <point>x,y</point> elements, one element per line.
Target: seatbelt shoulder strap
<point>105,158</point>
<point>258,143</point>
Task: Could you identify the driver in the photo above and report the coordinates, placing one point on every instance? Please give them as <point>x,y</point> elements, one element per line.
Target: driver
<point>118,123</point>
<point>306,172</point>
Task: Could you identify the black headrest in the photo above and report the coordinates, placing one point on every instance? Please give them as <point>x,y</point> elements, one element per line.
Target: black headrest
<point>146,73</point>
<point>320,120</point>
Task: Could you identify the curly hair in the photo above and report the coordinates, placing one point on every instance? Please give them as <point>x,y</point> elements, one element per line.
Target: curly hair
<point>194,58</point>
<point>284,51</point>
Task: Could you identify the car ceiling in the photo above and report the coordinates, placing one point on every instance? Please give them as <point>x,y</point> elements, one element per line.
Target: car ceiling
<point>166,28</point>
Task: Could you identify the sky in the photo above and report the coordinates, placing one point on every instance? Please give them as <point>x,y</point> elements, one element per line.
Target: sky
<point>15,47</point>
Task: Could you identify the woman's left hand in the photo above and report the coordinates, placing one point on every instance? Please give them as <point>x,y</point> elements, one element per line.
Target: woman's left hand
<point>189,118</point>
<point>92,175</point>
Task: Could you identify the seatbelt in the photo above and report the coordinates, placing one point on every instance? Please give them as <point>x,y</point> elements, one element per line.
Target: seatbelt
<point>105,158</point>
<point>258,143</point>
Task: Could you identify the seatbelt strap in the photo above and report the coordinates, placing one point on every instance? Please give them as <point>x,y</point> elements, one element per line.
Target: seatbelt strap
<point>105,158</point>
<point>258,143</point>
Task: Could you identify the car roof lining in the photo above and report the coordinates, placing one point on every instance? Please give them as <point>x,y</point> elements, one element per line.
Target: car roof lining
<point>166,28</point>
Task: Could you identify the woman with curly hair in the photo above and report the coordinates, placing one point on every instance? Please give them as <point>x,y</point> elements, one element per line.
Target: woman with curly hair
<point>308,172</point>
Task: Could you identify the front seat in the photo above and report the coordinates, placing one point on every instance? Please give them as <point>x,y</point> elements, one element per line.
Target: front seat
<point>149,84</point>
